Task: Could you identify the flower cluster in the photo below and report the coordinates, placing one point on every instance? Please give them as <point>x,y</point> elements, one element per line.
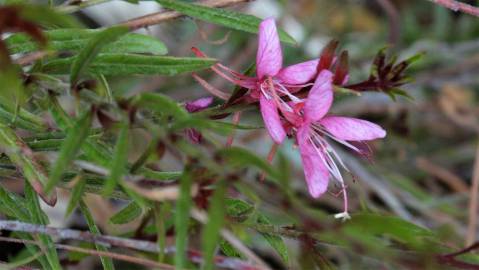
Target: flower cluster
<point>303,117</point>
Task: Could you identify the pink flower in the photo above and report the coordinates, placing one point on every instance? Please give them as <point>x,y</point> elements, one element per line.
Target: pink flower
<point>313,127</point>
<point>195,106</point>
<point>271,81</point>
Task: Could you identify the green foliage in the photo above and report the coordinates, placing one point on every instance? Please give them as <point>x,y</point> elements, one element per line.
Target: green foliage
<point>182,218</point>
<point>78,119</point>
<point>127,214</point>
<point>227,18</point>
<point>119,161</point>
<point>92,47</point>
<point>211,233</point>
<point>105,261</point>
<point>75,40</point>
<point>121,64</point>
<point>69,149</point>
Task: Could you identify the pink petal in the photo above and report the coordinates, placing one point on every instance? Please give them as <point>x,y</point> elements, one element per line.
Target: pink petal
<point>320,97</point>
<point>298,74</point>
<point>269,111</point>
<point>352,129</point>
<point>316,174</point>
<point>269,57</point>
<point>198,104</point>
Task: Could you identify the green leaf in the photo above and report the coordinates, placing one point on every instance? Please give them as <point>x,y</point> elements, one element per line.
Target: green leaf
<point>238,209</point>
<point>39,217</point>
<point>19,155</point>
<point>211,233</point>
<point>244,158</point>
<point>373,225</point>
<point>70,147</point>
<point>161,104</point>
<point>119,161</point>
<point>127,214</point>
<point>76,195</point>
<point>22,119</point>
<point>110,64</point>
<point>160,176</point>
<point>105,261</point>
<point>182,218</point>
<point>275,241</point>
<point>47,17</point>
<point>76,40</point>
<point>227,18</point>
<point>95,151</point>
<point>12,205</point>
<point>92,48</point>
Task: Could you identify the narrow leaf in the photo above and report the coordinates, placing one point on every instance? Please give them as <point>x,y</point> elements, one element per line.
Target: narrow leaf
<point>211,233</point>
<point>119,161</point>
<point>127,214</point>
<point>39,217</point>
<point>105,261</point>
<point>70,147</point>
<point>161,104</point>
<point>275,241</point>
<point>227,18</point>
<point>119,64</point>
<point>76,39</point>
<point>76,195</point>
<point>182,217</point>
<point>242,157</point>
<point>92,48</point>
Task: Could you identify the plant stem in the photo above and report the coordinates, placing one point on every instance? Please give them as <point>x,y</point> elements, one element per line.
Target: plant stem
<point>473,203</point>
<point>158,17</point>
<point>458,6</point>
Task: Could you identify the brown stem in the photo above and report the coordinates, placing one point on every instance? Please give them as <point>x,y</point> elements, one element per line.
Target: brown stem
<point>458,6</point>
<point>112,255</point>
<point>473,203</point>
<point>394,20</point>
<point>158,17</point>
<point>221,262</point>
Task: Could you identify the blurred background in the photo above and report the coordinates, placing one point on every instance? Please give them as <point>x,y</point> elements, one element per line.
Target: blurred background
<point>420,172</point>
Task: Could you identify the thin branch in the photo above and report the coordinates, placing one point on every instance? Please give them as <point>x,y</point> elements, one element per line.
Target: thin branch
<point>473,203</point>
<point>108,241</point>
<point>159,17</point>
<point>394,20</point>
<point>122,257</point>
<point>458,6</point>
<point>443,174</point>
<point>31,57</point>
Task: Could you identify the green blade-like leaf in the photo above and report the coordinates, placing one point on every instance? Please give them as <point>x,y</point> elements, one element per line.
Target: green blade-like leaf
<point>182,218</point>
<point>161,104</point>
<point>211,233</point>
<point>227,18</point>
<point>275,241</point>
<point>19,153</point>
<point>92,48</point>
<point>37,216</point>
<point>70,147</point>
<point>119,161</point>
<point>12,205</point>
<point>47,17</point>
<point>76,196</point>
<point>127,214</point>
<point>76,40</point>
<point>110,64</point>
<point>242,157</point>
<point>105,261</point>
